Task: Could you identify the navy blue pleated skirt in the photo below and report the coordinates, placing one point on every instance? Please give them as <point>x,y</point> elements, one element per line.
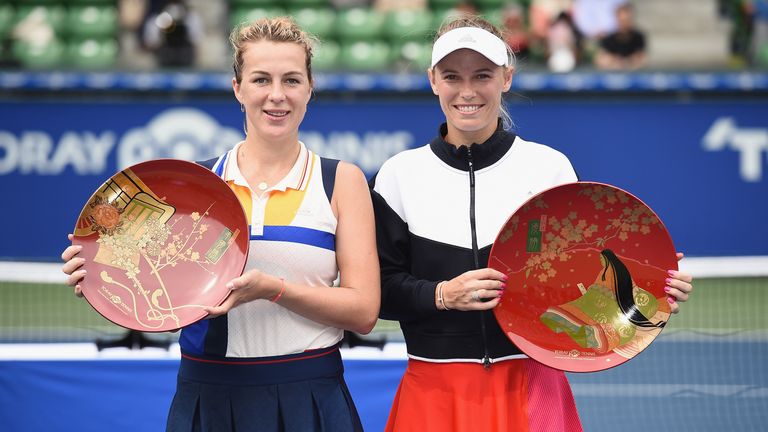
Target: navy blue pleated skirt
<point>299,392</point>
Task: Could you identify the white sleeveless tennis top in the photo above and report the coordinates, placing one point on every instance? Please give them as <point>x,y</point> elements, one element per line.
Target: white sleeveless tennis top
<point>292,236</point>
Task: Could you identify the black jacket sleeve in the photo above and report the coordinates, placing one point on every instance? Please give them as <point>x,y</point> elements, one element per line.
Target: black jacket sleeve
<point>403,296</point>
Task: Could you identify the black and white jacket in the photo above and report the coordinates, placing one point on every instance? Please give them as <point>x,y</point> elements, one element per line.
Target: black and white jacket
<point>438,210</point>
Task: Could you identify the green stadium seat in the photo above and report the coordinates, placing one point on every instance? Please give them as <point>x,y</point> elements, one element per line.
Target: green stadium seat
<point>417,55</point>
<point>317,21</point>
<point>357,23</point>
<point>492,4</point>
<point>91,2</point>
<point>441,16</point>
<point>7,19</point>
<point>443,4</point>
<point>92,53</point>
<point>36,2</point>
<point>92,21</point>
<point>55,15</point>
<point>246,15</point>
<point>326,56</point>
<point>307,3</point>
<point>36,56</point>
<point>494,16</point>
<point>407,24</point>
<point>762,56</point>
<point>365,56</point>
<point>237,4</point>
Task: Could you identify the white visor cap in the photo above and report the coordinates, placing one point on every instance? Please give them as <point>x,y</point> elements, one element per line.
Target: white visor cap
<point>474,38</point>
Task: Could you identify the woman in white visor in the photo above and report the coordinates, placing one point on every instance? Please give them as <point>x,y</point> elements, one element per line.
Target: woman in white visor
<point>438,210</point>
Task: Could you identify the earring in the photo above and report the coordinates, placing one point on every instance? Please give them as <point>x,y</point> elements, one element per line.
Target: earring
<point>245,124</point>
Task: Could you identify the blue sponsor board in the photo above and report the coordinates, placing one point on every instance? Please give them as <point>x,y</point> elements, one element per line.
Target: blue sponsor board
<point>653,81</point>
<point>703,166</point>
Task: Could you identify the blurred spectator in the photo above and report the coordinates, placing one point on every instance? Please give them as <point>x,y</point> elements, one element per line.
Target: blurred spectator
<point>515,30</point>
<point>134,55</point>
<point>542,13</point>
<point>563,44</point>
<point>466,7</point>
<point>737,12</point>
<point>31,40</point>
<point>173,33</point>
<point>758,9</point>
<point>7,58</point>
<point>34,29</point>
<point>596,18</point>
<point>462,8</point>
<point>131,13</point>
<point>625,48</point>
<point>390,5</point>
<point>342,4</point>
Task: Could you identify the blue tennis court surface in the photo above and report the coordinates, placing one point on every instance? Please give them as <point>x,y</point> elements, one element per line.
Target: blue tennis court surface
<point>691,383</point>
<point>712,384</point>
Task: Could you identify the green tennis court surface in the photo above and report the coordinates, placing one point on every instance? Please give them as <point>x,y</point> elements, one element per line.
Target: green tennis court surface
<point>31,312</point>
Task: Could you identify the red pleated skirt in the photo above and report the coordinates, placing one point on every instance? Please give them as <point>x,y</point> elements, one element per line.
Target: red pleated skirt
<point>520,395</point>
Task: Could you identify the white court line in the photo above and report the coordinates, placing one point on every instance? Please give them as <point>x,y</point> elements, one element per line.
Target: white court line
<point>17,271</point>
<point>88,351</point>
<point>703,267</point>
<point>669,390</point>
<point>742,266</point>
<point>83,351</point>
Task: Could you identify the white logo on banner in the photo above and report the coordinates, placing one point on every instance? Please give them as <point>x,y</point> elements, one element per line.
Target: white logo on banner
<point>368,150</point>
<point>749,142</point>
<point>179,133</point>
<point>34,152</point>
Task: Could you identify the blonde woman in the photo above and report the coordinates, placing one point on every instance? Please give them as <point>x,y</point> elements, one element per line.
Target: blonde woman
<point>268,357</point>
<point>438,209</point>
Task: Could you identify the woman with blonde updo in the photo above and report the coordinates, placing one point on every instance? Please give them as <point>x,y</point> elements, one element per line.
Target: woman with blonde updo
<point>267,359</point>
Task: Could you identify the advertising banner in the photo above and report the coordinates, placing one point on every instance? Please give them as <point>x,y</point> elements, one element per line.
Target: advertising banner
<point>703,166</point>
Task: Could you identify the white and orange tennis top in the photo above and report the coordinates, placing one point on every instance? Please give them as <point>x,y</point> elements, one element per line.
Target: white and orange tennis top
<point>292,236</point>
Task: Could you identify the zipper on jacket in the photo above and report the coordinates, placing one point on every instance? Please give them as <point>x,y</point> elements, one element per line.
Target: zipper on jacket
<point>475,251</point>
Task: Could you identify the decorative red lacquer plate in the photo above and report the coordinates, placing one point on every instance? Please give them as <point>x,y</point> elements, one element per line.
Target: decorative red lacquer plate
<point>587,264</point>
<point>161,239</point>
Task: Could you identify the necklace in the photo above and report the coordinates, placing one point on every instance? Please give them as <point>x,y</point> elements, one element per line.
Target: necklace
<point>262,185</point>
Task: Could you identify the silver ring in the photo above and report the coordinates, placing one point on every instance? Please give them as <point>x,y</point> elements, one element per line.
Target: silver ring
<point>475,295</point>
